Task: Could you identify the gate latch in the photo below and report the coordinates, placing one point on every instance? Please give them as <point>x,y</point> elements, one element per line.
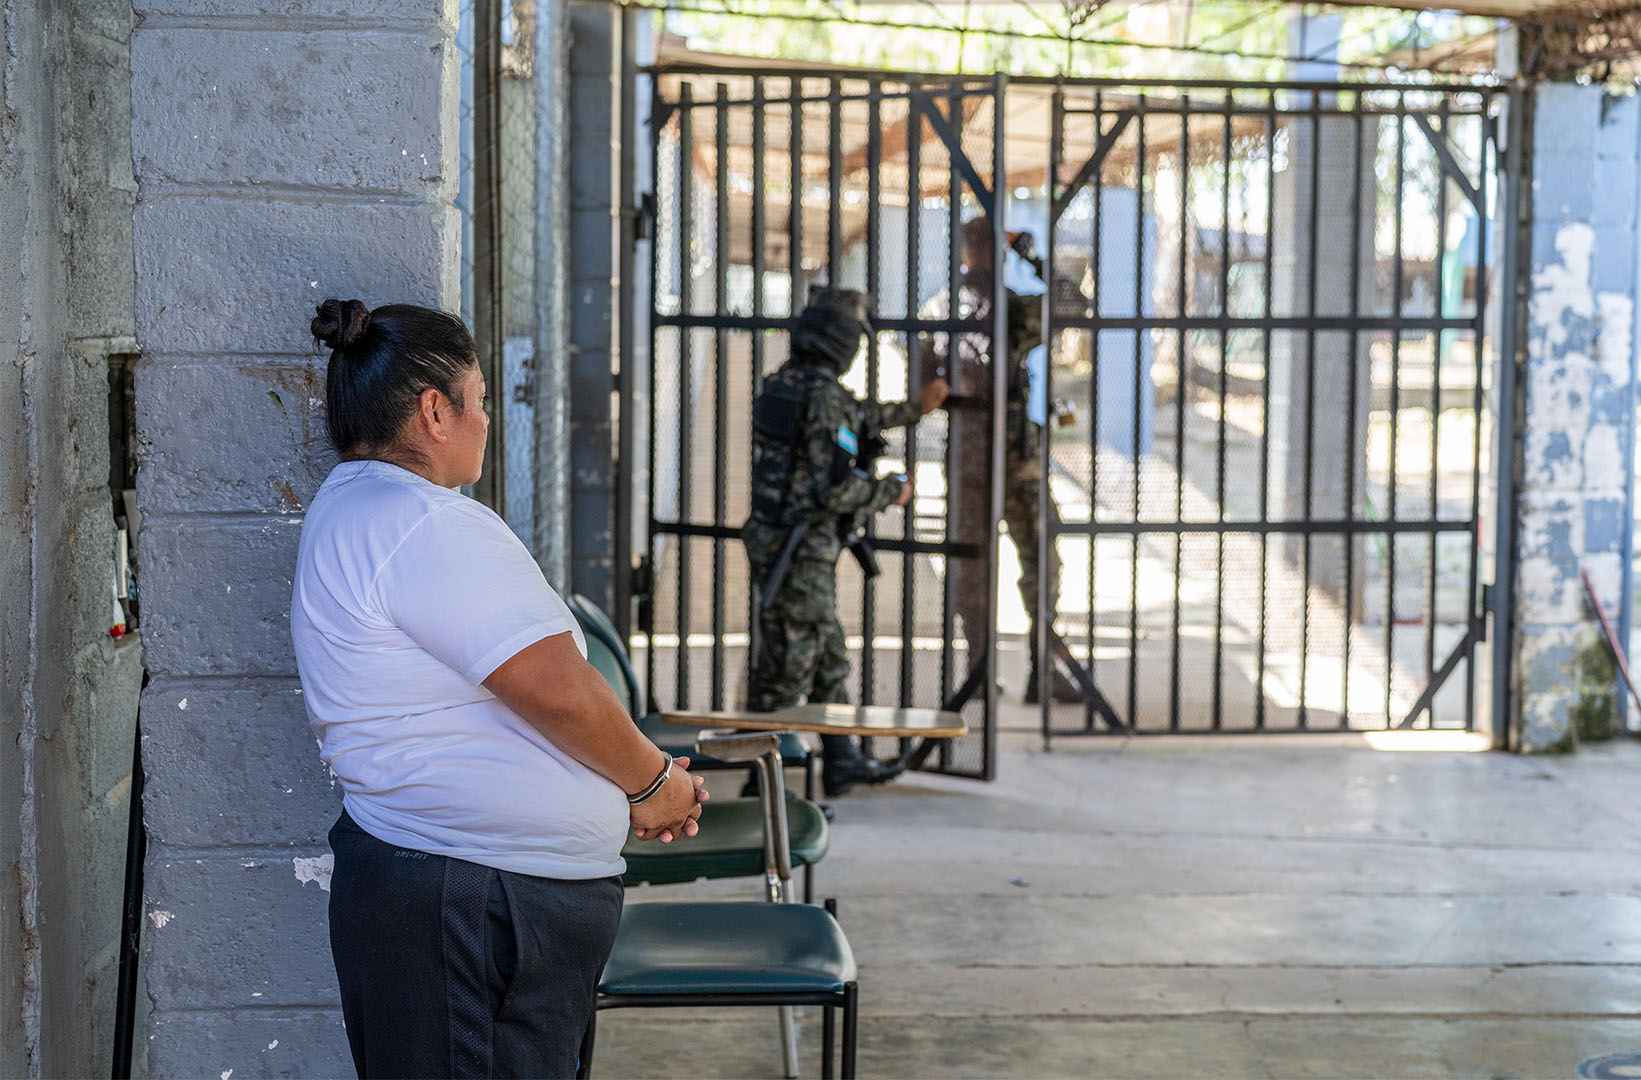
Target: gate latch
<point>643,583</point>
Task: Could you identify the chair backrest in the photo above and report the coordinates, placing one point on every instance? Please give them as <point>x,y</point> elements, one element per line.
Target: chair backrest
<point>764,748</point>
<point>606,652</point>
<point>608,664</point>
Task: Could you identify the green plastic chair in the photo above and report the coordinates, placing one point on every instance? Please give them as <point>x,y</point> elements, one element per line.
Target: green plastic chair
<point>607,652</point>
<point>739,953</point>
<point>732,843</point>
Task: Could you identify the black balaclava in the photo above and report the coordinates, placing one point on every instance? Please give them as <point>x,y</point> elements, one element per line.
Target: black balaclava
<point>829,329</point>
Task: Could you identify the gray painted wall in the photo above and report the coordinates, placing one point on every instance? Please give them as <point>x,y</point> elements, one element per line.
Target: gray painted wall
<point>68,692</point>
<point>284,153</point>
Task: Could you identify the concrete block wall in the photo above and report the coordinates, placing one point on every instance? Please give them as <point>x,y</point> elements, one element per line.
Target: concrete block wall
<point>68,692</point>
<point>1578,419</point>
<point>286,151</point>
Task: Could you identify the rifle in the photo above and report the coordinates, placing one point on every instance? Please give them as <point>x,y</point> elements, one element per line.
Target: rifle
<point>851,531</point>
<point>860,546</point>
<point>777,573</point>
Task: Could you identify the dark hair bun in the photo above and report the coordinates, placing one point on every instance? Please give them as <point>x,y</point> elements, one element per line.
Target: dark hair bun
<point>340,323</point>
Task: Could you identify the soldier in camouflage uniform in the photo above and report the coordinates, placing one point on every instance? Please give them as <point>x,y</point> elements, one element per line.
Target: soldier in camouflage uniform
<point>807,434</point>
<point>1022,462</point>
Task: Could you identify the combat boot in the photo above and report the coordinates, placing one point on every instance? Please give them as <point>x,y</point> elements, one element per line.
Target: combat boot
<point>838,778</point>
<point>1062,690</point>
<point>844,766</point>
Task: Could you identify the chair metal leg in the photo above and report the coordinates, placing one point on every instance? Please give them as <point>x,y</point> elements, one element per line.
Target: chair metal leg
<point>584,1062</point>
<point>850,1025</point>
<point>828,1034</point>
<point>809,883</point>
<point>789,1041</point>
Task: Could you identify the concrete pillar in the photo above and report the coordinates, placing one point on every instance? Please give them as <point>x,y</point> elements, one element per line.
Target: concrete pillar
<point>284,153</point>
<point>1324,161</point>
<point>594,291</point>
<point>68,690</point>
<point>1577,411</point>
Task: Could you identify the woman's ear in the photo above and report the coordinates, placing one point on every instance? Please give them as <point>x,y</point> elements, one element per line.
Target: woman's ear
<point>433,411</point>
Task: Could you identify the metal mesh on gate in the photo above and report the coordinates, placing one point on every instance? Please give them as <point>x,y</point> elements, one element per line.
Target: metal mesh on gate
<point>1263,401</point>
<point>766,184</point>
<point>496,199</point>
<point>1273,443</point>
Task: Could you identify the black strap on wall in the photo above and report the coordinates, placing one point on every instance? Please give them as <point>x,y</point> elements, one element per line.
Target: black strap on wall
<point>136,850</point>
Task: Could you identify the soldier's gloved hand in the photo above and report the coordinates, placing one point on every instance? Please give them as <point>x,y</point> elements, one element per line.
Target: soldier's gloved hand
<point>933,396</point>
<point>1024,245</point>
<point>905,492</point>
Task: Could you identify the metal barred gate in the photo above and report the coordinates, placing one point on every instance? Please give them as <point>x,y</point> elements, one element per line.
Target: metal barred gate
<point>1265,424</point>
<point>764,183</point>
<point>1277,384</point>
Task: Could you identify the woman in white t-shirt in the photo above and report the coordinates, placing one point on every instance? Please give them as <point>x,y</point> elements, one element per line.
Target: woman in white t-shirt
<point>489,774</point>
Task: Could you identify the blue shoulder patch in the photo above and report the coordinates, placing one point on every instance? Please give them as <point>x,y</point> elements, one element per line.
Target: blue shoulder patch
<point>846,439</point>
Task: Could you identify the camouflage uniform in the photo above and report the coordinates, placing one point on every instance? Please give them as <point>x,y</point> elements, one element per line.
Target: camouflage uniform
<point>1022,460</point>
<point>1022,469</point>
<point>807,430</point>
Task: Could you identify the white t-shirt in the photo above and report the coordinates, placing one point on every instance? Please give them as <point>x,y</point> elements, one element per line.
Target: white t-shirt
<point>407,597</point>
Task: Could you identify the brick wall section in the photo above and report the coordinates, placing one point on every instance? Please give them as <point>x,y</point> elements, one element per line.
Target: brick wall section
<point>284,153</point>
<point>1578,408</point>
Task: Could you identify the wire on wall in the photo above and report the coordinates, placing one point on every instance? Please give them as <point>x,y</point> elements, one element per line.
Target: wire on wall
<point>694,7</point>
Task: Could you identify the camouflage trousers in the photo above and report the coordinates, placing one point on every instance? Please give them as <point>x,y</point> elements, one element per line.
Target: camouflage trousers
<point>1022,479</point>
<point>800,641</point>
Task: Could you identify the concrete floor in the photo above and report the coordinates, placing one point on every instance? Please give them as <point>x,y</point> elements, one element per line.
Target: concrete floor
<point>1275,906</point>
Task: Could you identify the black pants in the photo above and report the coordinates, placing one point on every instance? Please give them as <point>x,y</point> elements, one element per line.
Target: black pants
<point>451,969</point>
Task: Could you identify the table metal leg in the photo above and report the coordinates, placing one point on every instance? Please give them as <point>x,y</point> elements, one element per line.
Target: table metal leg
<point>829,1032</point>
<point>789,1041</point>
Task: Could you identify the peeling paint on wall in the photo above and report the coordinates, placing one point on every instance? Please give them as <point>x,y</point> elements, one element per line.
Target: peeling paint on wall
<point>1577,427</point>
<point>1613,343</point>
<point>1604,464</point>
<point>1564,287</point>
<point>316,870</point>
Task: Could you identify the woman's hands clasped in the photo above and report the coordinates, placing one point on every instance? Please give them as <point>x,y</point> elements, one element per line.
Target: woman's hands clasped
<point>674,810</point>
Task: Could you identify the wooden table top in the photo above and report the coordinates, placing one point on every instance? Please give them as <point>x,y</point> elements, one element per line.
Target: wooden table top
<point>834,720</point>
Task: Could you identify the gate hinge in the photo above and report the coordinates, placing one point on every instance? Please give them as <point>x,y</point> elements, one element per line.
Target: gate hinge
<point>643,217</point>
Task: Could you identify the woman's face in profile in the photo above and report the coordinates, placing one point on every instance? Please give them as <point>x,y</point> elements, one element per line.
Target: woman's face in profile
<point>469,429</point>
